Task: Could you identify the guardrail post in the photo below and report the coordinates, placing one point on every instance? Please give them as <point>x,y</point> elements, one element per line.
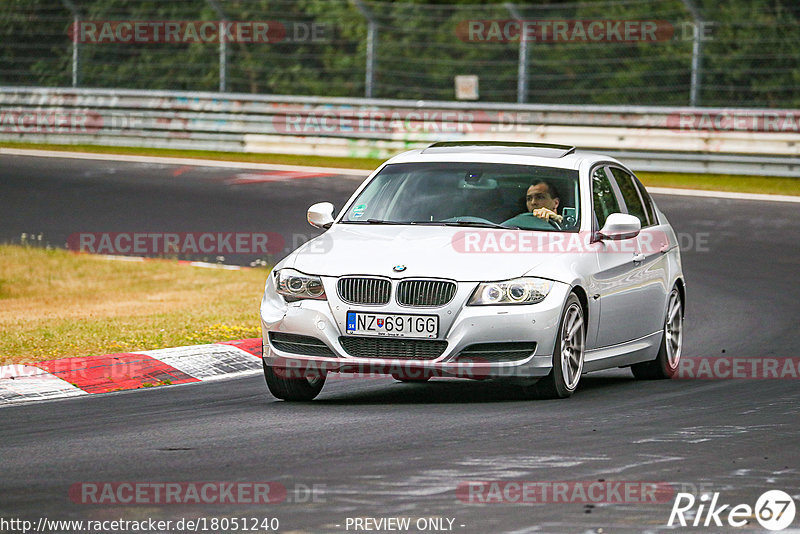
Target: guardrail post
<point>372,36</point>
<point>76,45</point>
<point>522,67</point>
<point>697,53</point>
<point>223,47</point>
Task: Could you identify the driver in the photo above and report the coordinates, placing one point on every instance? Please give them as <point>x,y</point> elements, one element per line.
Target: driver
<point>542,200</point>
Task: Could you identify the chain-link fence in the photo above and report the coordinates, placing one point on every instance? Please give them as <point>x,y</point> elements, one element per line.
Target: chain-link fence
<point>638,52</point>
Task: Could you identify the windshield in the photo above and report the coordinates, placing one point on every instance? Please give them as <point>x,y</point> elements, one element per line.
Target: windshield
<point>469,194</point>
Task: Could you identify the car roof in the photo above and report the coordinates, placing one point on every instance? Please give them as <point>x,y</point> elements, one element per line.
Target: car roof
<point>539,154</point>
<point>513,148</point>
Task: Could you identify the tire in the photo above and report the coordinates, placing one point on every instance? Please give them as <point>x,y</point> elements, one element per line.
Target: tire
<point>669,352</point>
<point>292,388</point>
<point>568,354</point>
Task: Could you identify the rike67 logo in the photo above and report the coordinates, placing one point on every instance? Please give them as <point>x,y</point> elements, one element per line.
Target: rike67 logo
<point>774,510</point>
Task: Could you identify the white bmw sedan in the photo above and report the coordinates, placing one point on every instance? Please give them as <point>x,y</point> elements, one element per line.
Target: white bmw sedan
<point>522,262</point>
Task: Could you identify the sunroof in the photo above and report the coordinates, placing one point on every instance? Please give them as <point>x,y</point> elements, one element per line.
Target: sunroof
<point>513,148</point>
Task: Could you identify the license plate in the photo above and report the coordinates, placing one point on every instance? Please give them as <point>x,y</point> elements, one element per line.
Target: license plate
<point>392,324</point>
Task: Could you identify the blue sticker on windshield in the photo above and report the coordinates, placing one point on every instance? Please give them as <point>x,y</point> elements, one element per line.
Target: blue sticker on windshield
<point>358,211</point>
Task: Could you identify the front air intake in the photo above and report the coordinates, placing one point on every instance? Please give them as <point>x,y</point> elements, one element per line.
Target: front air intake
<point>362,290</point>
<point>508,351</point>
<point>425,293</point>
<point>297,344</point>
<point>400,349</point>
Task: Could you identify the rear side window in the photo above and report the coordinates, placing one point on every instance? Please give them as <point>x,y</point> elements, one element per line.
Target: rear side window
<point>630,195</point>
<point>603,198</point>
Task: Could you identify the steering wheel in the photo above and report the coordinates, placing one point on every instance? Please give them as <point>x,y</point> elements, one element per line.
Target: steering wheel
<point>555,224</point>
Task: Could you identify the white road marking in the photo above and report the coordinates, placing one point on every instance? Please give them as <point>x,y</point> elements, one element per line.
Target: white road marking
<point>179,161</point>
<point>276,176</point>
<point>352,172</point>
<point>207,362</point>
<point>23,383</point>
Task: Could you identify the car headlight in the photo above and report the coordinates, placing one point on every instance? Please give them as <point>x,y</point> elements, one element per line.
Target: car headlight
<point>294,285</point>
<point>517,291</point>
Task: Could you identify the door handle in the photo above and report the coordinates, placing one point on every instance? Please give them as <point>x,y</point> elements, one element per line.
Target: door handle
<point>637,258</point>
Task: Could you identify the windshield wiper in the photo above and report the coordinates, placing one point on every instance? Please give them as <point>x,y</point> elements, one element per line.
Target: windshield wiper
<point>375,221</point>
<point>475,224</point>
<point>479,224</point>
<point>381,221</point>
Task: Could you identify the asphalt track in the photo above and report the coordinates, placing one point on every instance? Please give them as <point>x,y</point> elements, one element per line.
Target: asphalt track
<point>379,448</point>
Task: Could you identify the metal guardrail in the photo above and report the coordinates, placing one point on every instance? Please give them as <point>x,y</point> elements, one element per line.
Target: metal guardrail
<point>710,140</point>
<point>709,163</point>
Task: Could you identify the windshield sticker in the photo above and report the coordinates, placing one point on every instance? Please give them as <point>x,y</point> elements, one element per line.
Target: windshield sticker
<point>358,211</point>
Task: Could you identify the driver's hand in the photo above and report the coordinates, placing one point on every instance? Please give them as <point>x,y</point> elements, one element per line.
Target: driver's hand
<point>544,213</point>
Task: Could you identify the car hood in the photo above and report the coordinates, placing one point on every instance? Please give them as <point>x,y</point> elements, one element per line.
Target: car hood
<point>425,251</point>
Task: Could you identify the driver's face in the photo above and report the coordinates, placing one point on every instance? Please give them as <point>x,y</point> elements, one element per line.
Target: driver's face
<point>539,197</point>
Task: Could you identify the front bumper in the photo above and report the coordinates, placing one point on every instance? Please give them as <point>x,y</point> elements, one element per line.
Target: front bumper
<point>460,326</point>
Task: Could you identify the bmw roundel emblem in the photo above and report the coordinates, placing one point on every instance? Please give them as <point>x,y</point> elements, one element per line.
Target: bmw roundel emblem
<point>399,268</point>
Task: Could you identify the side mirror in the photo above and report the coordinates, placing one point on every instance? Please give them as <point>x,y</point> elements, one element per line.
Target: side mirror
<point>320,215</point>
<point>570,216</point>
<point>620,226</point>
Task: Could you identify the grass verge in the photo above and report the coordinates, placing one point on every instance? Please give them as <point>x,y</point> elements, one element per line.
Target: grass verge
<point>713,182</point>
<point>767,185</point>
<point>57,304</point>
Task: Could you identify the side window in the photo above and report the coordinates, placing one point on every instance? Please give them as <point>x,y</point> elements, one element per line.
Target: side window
<point>648,202</point>
<point>603,198</point>
<point>630,194</point>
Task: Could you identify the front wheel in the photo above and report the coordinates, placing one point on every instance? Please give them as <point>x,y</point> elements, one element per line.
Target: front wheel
<point>291,385</point>
<point>669,353</point>
<point>567,355</point>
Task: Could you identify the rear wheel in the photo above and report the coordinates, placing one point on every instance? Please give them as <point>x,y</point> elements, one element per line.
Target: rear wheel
<point>567,355</point>
<point>291,384</point>
<point>669,353</point>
